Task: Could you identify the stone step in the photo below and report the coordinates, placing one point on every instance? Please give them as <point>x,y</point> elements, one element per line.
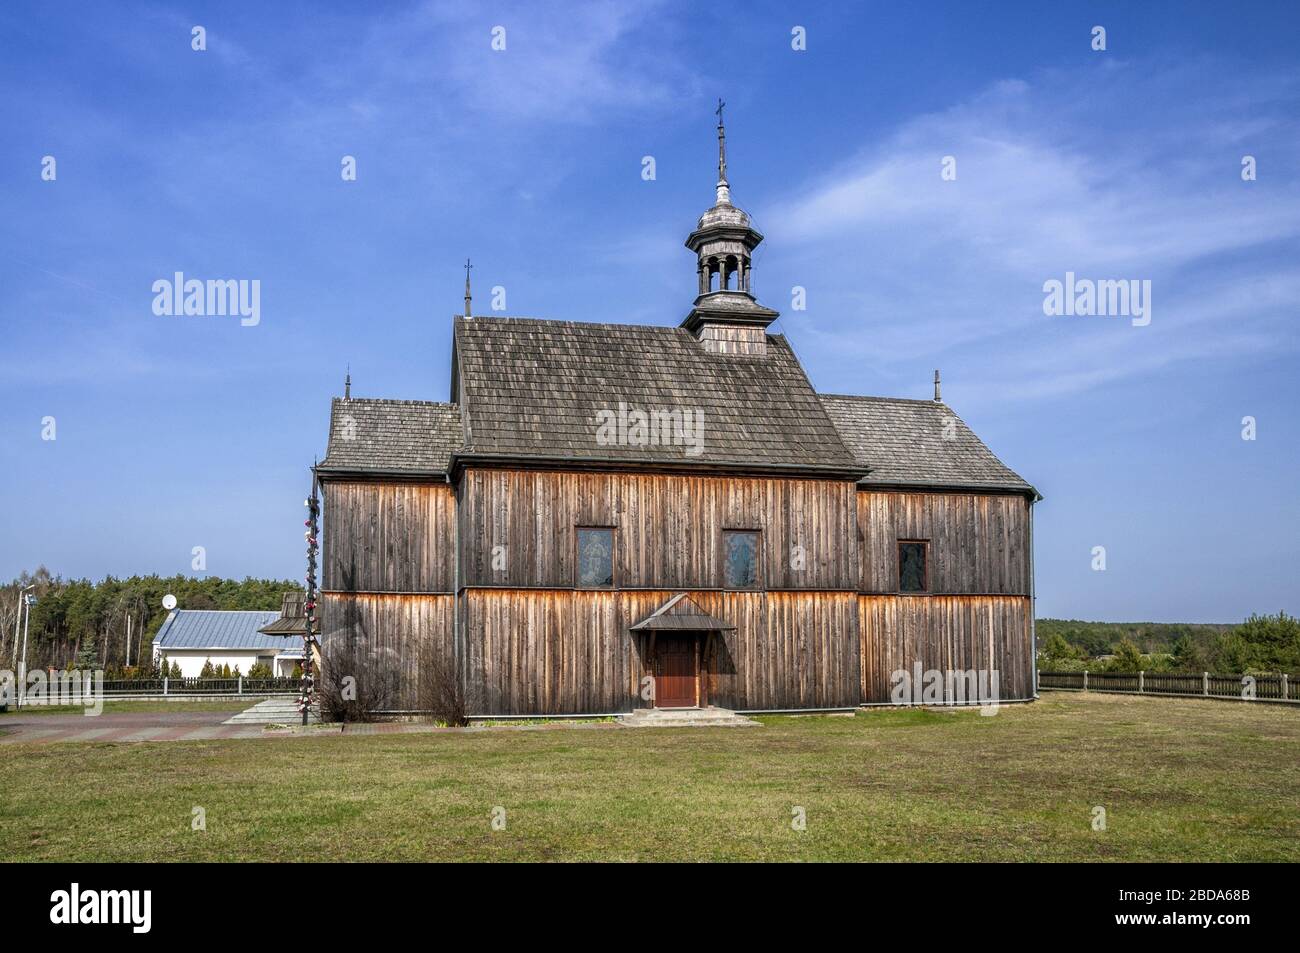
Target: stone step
<point>273,711</point>
<point>685,718</point>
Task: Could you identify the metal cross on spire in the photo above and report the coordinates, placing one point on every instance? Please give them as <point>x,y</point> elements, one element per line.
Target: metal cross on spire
<point>722,143</point>
<point>468,266</point>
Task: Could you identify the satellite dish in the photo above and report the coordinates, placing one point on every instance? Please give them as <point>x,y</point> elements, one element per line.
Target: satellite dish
<point>169,602</point>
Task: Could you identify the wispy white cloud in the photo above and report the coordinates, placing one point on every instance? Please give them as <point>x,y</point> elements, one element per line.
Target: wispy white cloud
<point>441,125</point>
<point>573,62</point>
<point>1101,173</point>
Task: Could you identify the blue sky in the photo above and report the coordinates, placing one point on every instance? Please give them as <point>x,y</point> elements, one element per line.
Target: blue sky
<point>176,432</point>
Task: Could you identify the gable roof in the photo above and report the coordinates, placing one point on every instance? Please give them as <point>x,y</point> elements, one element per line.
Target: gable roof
<point>533,388</point>
<point>902,442</point>
<point>293,615</point>
<point>221,629</point>
<point>681,612</point>
<point>381,436</point>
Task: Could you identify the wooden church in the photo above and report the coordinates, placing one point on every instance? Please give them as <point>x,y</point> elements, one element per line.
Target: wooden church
<point>605,517</point>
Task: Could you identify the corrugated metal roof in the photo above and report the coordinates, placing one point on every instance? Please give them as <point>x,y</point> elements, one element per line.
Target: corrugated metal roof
<point>221,629</point>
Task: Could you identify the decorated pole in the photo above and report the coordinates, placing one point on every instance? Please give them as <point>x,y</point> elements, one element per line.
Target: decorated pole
<point>307,692</point>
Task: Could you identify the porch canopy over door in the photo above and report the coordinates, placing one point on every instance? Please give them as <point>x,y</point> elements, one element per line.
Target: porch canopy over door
<point>686,630</point>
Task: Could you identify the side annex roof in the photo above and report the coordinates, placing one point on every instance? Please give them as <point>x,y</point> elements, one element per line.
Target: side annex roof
<point>920,443</point>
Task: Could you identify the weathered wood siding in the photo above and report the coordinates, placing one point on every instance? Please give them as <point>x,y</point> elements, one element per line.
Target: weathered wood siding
<point>380,537</point>
<point>725,339</point>
<point>570,652</point>
<point>400,630</point>
<point>545,652</point>
<point>979,543</point>
<point>827,635</point>
<point>945,633</point>
<point>388,575</point>
<point>668,529</point>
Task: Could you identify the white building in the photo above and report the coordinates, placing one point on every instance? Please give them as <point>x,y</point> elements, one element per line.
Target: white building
<point>191,637</point>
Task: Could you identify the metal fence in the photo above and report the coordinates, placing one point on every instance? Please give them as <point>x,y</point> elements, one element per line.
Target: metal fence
<point>1274,688</point>
<point>283,685</point>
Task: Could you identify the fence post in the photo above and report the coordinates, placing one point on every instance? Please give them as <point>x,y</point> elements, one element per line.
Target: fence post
<point>164,684</point>
<point>240,689</point>
<point>1284,686</point>
<point>1085,679</point>
<point>1205,683</point>
<point>1142,677</point>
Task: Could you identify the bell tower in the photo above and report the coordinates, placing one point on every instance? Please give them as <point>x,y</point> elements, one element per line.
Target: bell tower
<point>726,318</point>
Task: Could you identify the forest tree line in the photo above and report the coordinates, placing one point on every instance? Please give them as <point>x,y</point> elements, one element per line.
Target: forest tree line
<point>1262,644</point>
<point>77,623</point>
<point>81,624</point>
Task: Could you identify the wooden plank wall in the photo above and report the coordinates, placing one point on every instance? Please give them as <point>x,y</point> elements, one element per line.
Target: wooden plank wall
<point>399,629</point>
<point>723,339</point>
<point>546,652</point>
<point>669,528</point>
<point>388,537</point>
<point>571,652</point>
<point>947,633</point>
<point>979,543</point>
<point>534,645</point>
<point>388,574</point>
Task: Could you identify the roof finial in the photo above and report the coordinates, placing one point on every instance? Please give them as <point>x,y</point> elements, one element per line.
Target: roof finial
<point>347,384</point>
<point>937,398</point>
<point>724,190</point>
<point>468,266</point>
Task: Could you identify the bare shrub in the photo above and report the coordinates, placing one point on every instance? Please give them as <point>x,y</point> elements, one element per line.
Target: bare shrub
<point>440,690</point>
<point>356,682</point>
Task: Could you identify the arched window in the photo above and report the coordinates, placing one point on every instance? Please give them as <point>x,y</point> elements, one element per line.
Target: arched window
<point>714,285</point>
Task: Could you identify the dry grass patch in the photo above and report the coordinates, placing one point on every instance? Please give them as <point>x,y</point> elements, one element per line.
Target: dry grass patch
<point>1180,780</point>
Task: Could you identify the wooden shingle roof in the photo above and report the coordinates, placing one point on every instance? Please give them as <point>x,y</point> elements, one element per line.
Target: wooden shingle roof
<point>917,442</point>
<point>391,436</point>
<point>681,613</point>
<point>293,615</point>
<point>532,388</point>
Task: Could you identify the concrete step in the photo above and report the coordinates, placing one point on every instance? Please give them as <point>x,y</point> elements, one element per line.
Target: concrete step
<point>273,711</point>
<point>685,718</point>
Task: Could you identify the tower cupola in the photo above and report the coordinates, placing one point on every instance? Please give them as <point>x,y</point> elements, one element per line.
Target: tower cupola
<point>726,317</point>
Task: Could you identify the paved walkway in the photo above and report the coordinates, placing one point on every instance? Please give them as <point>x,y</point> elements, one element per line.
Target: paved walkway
<point>122,726</point>
<point>184,725</point>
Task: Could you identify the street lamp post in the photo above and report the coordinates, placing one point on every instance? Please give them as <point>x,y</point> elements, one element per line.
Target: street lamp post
<point>22,664</point>
<point>18,620</point>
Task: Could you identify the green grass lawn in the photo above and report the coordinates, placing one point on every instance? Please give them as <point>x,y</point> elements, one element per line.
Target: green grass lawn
<point>1179,779</point>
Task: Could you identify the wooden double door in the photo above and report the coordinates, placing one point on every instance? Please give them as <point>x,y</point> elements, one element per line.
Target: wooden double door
<point>677,671</point>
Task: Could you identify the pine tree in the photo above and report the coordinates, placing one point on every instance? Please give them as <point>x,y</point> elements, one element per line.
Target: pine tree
<point>87,658</point>
<point>1187,655</point>
<point>1128,658</point>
